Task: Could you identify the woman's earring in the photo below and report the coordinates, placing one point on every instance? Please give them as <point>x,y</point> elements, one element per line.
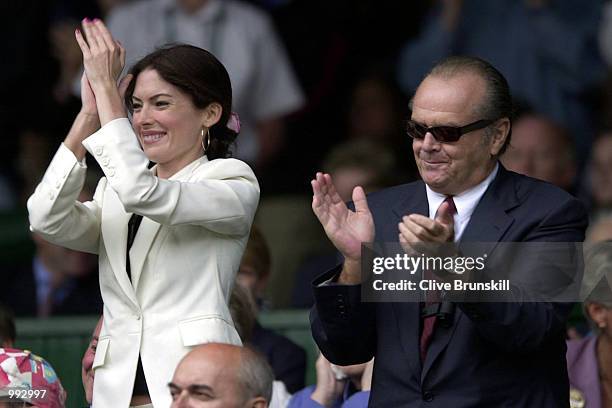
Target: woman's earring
<point>205,140</point>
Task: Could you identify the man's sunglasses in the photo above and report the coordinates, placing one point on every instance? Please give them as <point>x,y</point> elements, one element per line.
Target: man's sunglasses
<point>443,134</point>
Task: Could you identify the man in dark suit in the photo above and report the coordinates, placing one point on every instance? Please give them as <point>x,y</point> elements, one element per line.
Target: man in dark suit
<point>488,354</point>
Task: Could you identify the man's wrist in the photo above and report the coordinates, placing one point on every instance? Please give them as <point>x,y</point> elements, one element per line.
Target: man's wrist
<point>351,272</point>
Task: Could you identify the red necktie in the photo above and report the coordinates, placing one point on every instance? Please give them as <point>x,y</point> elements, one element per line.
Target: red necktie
<point>432,297</point>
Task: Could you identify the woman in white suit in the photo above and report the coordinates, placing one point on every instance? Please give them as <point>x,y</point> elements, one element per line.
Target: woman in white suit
<point>166,288</point>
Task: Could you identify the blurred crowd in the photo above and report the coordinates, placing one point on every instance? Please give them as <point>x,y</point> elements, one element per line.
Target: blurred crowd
<point>319,86</point>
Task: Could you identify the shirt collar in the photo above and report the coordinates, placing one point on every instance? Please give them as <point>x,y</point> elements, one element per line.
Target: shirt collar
<point>466,201</point>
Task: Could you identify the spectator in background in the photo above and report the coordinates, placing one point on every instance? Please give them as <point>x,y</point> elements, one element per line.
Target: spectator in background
<point>255,266</point>
<point>226,375</point>
<point>33,154</point>
<point>589,360</point>
<point>87,368</point>
<point>8,333</point>
<point>243,310</point>
<point>288,360</point>
<point>58,280</point>
<point>541,149</point>
<point>600,172</point>
<point>242,37</point>
<point>355,163</point>
<point>337,386</point>
<point>376,114</point>
<point>20,369</point>
<point>28,162</point>
<point>375,110</point>
<point>361,162</point>
<point>546,49</point>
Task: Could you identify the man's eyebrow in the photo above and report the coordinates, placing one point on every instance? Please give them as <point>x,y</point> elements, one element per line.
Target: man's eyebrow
<point>193,387</point>
<point>451,124</point>
<point>200,388</point>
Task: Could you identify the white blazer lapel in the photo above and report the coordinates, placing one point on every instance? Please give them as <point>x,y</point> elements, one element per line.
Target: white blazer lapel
<point>147,232</point>
<point>114,234</point>
<point>140,248</point>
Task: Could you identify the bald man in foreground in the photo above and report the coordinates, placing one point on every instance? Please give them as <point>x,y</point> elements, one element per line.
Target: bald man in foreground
<point>222,375</point>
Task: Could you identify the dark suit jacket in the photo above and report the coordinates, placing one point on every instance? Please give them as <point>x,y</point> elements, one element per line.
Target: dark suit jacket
<point>493,354</point>
<point>287,359</point>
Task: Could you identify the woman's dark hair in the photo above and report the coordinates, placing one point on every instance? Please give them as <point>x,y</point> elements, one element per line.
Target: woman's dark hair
<point>200,75</point>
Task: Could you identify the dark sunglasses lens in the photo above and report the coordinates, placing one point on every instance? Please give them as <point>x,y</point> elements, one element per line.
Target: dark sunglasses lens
<point>415,130</point>
<point>446,133</point>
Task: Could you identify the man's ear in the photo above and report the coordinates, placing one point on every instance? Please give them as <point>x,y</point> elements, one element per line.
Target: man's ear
<point>212,114</point>
<point>257,402</point>
<point>501,129</point>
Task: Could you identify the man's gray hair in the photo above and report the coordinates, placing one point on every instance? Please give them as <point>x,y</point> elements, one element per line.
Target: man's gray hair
<point>255,375</point>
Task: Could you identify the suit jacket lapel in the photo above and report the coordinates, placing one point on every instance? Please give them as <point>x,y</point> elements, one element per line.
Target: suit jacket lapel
<point>140,248</point>
<point>487,226</point>
<point>407,314</point>
<point>490,219</point>
<point>114,234</point>
<point>442,336</point>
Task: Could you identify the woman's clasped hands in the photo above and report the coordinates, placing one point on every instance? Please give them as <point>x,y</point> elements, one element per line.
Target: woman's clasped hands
<point>103,56</point>
<point>103,60</point>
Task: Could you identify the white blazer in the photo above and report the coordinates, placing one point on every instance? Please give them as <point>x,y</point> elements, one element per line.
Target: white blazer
<point>183,260</point>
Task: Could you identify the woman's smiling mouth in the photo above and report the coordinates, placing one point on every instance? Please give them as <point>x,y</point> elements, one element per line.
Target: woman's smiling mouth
<point>152,137</point>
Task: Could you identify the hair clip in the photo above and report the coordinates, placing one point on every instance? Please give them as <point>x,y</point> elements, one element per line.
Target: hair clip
<point>233,123</point>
